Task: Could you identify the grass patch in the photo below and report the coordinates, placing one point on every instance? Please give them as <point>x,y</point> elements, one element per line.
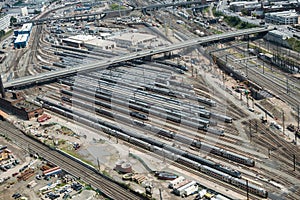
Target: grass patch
<point>74,154</point>
<point>66,131</point>
<point>237,22</point>
<point>205,10</point>
<point>49,125</point>
<point>215,31</point>
<point>294,44</point>
<point>18,3</point>
<point>217,13</point>
<point>115,6</point>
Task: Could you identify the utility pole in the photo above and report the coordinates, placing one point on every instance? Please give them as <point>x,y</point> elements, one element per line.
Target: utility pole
<point>287,84</point>
<point>247,98</point>
<point>294,159</point>
<point>263,67</point>
<point>98,162</point>
<point>283,122</point>
<point>298,117</point>
<point>250,132</point>
<point>256,126</point>
<point>247,69</point>
<point>247,185</point>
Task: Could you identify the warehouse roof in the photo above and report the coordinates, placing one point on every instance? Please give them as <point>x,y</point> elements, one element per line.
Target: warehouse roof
<point>82,38</point>
<point>21,38</point>
<point>99,42</point>
<point>27,27</point>
<point>135,37</point>
<point>284,14</point>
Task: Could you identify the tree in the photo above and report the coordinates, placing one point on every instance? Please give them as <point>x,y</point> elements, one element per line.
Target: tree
<point>2,33</point>
<point>13,20</point>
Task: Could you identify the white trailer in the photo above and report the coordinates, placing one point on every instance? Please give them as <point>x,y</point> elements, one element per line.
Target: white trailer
<point>190,190</point>
<point>176,181</point>
<point>221,197</point>
<point>202,193</point>
<point>181,190</point>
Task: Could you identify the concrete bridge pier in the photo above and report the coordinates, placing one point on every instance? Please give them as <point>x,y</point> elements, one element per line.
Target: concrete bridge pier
<point>168,55</point>
<point>148,58</point>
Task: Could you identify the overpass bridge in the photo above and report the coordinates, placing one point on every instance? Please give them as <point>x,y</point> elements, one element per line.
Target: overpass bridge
<point>111,13</point>
<point>53,75</point>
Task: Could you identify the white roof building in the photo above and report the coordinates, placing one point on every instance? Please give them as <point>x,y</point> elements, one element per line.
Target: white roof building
<point>5,22</point>
<point>27,27</point>
<point>89,41</point>
<point>24,11</point>
<point>283,18</point>
<point>133,39</point>
<point>21,38</point>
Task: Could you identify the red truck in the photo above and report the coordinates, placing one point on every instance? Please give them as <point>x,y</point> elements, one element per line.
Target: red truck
<point>43,118</point>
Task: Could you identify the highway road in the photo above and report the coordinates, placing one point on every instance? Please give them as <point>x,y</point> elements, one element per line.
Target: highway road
<point>52,75</point>
<point>112,13</point>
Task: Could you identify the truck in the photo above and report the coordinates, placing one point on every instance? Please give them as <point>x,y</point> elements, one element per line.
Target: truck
<point>200,33</point>
<point>190,190</point>
<point>43,118</point>
<point>181,190</point>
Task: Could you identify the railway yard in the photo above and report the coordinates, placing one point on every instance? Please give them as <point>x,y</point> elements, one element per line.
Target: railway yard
<point>216,119</point>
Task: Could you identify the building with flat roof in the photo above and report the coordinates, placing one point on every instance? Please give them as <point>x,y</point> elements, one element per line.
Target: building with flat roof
<point>282,18</point>
<point>126,40</point>
<point>26,28</point>
<point>99,43</point>
<point>16,104</point>
<point>5,22</point>
<point>89,41</point>
<point>21,40</point>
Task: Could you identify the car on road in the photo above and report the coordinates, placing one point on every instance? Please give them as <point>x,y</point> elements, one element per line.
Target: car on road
<point>16,195</point>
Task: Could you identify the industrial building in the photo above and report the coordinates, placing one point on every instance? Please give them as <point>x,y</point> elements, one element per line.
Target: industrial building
<point>282,18</point>
<point>240,5</point>
<point>21,41</point>
<point>22,35</point>
<point>123,167</point>
<point>26,29</point>
<point>89,41</point>
<point>5,22</point>
<point>277,37</point>
<point>16,104</point>
<point>126,40</point>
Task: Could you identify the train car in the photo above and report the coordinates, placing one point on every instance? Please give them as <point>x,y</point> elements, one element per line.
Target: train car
<point>215,173</point>
<point>238,158</point>
<point>47,68</point>
<point>214,131</point>
<point>204,113</point>
<point>207,101</point>
<point>228,170</point>
<point>139,115</point>
<point>252,188</point>
<point>220,117</point>
<point>140,143</point>
<point>166,133</point>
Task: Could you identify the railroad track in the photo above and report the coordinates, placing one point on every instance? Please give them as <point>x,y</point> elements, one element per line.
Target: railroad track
<point>109,188</point>
<point>284,152</point>
<point>267,81</point>
<point>195,172</point>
